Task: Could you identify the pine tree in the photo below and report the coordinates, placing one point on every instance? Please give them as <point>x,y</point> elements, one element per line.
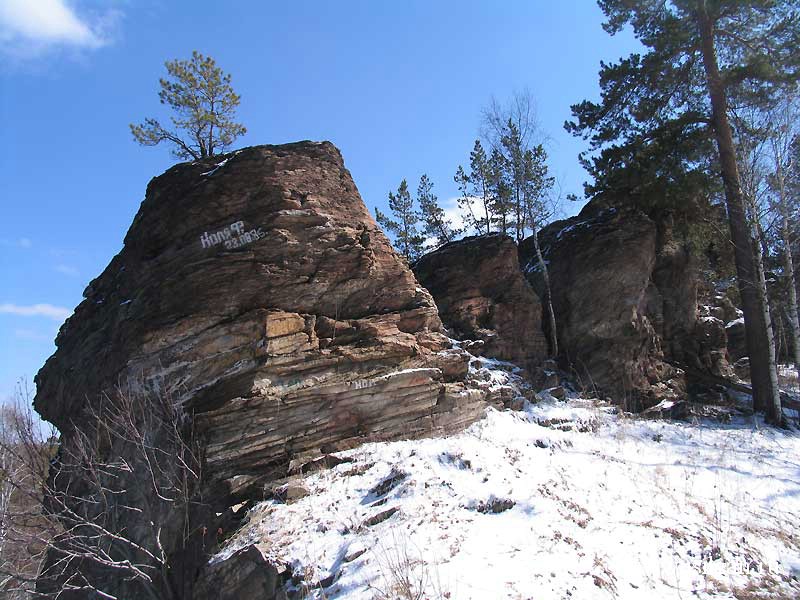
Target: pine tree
<point>205,105</point>
<point>515,162</point>
<point>500,186</point>
<point>436,223</point>
<point>404,225</point>
<point>475,188</point>
<point>664,107</point>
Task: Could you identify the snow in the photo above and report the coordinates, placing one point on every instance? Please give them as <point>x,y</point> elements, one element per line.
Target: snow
<point>586,223</point>
<point>562,500</point>
<point>739,321</point>
<point>215,169</point>
<point>572,227</point>
<point>534,265</point>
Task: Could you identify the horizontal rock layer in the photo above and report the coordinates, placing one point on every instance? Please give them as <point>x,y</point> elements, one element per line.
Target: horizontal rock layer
<point>257,288</point>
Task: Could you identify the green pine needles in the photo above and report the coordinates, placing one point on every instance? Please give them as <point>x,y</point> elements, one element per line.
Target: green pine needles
<point>204,103</point>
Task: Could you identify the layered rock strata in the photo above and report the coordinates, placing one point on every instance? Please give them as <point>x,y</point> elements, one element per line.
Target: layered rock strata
<point>482,295</point>
<point>258,289</point>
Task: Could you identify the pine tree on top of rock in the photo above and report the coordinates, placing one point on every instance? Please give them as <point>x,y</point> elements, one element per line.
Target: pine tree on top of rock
<point>403,227</point>
<point>476,199</point>
<point>205,106</point>
<point>436,223</point>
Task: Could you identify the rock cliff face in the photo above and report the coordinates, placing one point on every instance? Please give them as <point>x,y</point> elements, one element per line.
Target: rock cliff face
<point>624,298</point>
<point>257,288</point>
<point>482,295</point>
<point>260,289</point>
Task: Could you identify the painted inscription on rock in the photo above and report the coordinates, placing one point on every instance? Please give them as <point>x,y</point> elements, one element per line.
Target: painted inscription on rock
<point>233,236</point>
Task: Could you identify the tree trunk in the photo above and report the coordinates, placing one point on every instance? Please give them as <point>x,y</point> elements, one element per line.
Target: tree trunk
<point>767,322</point>
<point>759,346</point>
<point>788,267</point>
<point>546,276</point>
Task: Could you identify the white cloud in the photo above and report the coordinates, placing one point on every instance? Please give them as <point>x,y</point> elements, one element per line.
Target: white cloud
<point>67,270</point>
<point>32,336</point>
<point>19,243</point>
<point>57,313</point>
<point>458,215</point>
<point>27,27</point>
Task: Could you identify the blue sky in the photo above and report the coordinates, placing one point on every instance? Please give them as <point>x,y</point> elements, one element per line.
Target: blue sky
<point>398,86</point>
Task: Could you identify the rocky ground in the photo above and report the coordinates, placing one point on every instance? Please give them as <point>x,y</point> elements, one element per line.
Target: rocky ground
<point>564,499</point>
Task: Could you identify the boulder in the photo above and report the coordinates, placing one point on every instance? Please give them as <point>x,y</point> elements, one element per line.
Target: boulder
<point>246,575</point>
<point>482,295</point>
<point>712,342</point>
<point>618,292</point>
<point>737,339</point>
<point>258,287</point>
<point>625,295</point>
<point>257,292</point>
<point>742,368</point>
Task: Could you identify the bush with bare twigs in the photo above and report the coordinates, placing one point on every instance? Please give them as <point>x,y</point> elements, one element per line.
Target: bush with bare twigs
<point>118,513</point>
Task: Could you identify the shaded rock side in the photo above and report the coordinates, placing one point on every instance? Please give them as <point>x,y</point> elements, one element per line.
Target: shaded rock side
<point>482,295</point>
<point>620,289</point>
<point>257,287</point>
<point>246,575</point>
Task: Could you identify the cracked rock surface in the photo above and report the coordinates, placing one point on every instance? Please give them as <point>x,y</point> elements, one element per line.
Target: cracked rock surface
<point>259,289</point>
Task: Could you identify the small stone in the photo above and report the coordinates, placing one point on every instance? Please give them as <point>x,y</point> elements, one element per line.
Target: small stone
<point>291,492</point>
<point>516,404</point>
<point>380,517</point>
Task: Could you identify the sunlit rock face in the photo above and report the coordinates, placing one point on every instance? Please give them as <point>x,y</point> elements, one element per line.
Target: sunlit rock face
<point>257,287</point>
<point>482,295</point>
<point>625,300</point>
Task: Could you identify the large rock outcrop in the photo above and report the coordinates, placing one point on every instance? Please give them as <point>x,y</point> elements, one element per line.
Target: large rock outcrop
<point>624,298</point>
<point>259,291</point>
<point>482,295</point>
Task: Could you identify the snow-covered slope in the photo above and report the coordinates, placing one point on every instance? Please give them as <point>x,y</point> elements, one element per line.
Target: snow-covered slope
<point>562,500</point>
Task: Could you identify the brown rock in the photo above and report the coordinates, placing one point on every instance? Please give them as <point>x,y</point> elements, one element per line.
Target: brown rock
<point>601,265</point>
<point>742,368</point>
<point>256,288</point>
<point>625,297</point>
<point>737,339</point>
<point>516,404</point>
<point>482,295</point>
<point>710,334</point>
<point>291,492</point>
<point>271,301</point>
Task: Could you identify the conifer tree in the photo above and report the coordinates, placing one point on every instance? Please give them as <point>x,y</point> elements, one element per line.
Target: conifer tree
<point>500,185</point>
<point>475,188</point>
<point>403,226</point>
<point>205,105</point>
<point>662,107</point>
<point>436,223</point>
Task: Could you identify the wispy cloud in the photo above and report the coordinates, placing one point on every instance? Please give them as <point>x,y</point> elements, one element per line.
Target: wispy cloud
<point>24,242</point>
<point>57,313</point>
<point>67,270</point>
<point>29,27</point>
<point>32,336</point>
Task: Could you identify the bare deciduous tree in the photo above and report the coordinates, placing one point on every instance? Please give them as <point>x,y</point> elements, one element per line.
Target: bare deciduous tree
<point>121,508</point>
